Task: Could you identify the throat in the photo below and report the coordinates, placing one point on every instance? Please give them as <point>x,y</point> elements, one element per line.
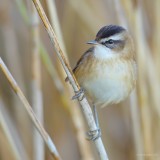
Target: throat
<point>102,52</point>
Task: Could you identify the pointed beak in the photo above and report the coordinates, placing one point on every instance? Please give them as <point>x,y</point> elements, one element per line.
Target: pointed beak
<point>94,42</point>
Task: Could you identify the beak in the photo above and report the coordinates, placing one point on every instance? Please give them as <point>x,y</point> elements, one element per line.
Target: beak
<point>92,42</point>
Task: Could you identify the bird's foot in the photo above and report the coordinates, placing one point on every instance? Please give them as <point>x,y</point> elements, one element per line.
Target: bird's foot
<point>78,94</point>
<point>93,135</point>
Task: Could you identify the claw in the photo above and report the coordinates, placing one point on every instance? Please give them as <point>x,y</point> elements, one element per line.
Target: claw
<point>93,135</point>
<point>78,94</point>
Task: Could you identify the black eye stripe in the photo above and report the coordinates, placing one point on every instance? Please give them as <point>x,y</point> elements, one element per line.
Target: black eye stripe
<point>111,41</point>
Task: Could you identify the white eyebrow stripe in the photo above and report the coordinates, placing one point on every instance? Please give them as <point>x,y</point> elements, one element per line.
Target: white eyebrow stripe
<point>114,37</point>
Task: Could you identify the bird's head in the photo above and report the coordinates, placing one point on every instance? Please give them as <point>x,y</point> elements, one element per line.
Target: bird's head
<point>113,41</point>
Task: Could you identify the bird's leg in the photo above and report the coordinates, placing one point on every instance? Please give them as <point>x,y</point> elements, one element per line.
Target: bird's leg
<point>93,135</point>
<point>95,115</point>
<point>78,94</point>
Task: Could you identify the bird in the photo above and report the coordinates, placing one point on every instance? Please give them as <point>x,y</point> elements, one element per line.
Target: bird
<point>107,72</point>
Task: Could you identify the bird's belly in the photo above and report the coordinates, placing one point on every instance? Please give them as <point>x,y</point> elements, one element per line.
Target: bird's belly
<point>106,91</point>
<point>108,87</point>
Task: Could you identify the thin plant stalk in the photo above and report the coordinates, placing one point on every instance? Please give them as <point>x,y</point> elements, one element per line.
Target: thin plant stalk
<point>37,97</point>
<point>73,110</point>
<point>14,63</point>
<point>137,134</point>
<point>22,10</point>
<point>76,116</point>
<point>156,39</point>
<point>83,101</point>
<point>30,112</point>
<point>135,116</point>
<point>42,50</point>
<point>11,133</point>
<point>143,94</point>
<point>54,18</point>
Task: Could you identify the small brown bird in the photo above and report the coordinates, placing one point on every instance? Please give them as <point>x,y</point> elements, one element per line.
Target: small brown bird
<point>107,71</point>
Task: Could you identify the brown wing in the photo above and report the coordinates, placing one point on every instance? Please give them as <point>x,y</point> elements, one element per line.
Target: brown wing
<point>81,60</point>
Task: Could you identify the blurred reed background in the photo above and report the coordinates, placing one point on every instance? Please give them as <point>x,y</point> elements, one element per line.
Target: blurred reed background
<point>130,130</point>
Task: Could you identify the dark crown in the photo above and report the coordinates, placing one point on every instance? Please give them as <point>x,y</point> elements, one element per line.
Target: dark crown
<point>108,31</point>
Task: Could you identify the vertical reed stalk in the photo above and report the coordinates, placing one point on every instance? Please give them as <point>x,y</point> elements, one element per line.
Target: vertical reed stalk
<point>143,94</point>
<point>84,104</point>
<point>37,97</point>
<point>76,116</point>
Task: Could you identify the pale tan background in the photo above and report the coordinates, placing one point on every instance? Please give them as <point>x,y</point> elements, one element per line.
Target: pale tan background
<point>129,132</point>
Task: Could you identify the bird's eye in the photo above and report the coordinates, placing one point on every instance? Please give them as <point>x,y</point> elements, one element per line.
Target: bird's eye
<point>110,41</point>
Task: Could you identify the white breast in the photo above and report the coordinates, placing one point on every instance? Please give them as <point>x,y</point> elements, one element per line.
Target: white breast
<point>102,52</point>
<point>111,84</point>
